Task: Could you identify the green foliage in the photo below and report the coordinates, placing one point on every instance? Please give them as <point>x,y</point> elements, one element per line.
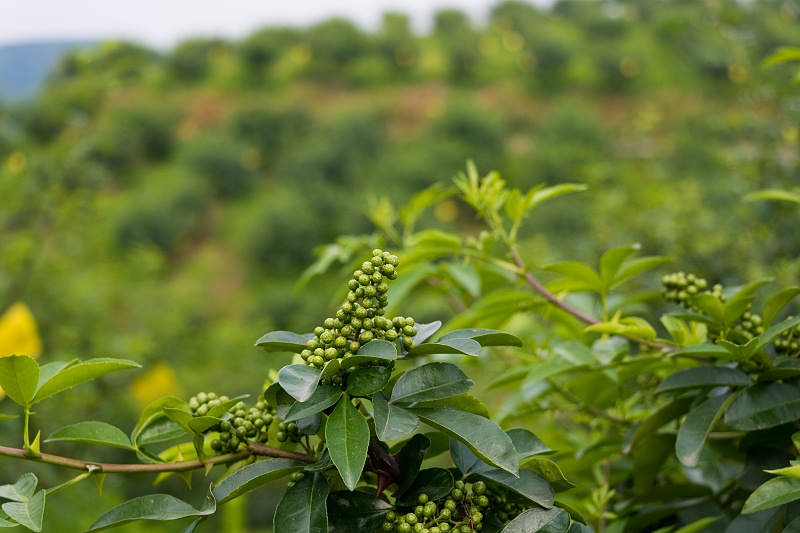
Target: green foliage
<point>158,207</point>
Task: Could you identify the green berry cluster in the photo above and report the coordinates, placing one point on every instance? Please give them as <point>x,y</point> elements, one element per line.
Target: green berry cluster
<point>788,343</point>
<point>679,287</point>
<point>203,402</point>
<point>462,511</point>
<point>288,431</point>
<point>243,424</point>
<point>360,318</point>
<point>749,326</point>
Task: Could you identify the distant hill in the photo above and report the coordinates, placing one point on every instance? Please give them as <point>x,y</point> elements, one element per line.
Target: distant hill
<point>24,67</point>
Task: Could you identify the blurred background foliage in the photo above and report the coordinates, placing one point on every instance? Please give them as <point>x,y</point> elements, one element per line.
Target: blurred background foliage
<point>161,206</point>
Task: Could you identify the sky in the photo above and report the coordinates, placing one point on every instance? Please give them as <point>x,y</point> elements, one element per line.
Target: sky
<point>163,23</point>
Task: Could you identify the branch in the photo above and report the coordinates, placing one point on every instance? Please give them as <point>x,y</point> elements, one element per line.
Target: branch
<point>141,468</point>
<point>550,297</point>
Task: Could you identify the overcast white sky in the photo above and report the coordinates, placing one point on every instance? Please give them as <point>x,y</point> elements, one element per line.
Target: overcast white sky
<point>162,23</point>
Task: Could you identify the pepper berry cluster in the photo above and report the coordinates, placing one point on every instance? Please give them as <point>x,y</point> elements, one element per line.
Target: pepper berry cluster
<point>243,425</point>
<point>462,511</point>
<point>679,287</point>
<point>360,318</point>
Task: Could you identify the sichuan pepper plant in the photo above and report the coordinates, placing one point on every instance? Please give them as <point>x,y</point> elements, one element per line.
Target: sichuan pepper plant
<point>346,428</point>
<point>676,408</point>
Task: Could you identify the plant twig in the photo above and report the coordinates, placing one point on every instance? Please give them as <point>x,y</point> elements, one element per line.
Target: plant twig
<point>142,468</point>
<point>580,315</point>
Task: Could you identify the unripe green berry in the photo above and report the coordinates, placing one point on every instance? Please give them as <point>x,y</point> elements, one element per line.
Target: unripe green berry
<point>422,498</point>
<point>479,487</point>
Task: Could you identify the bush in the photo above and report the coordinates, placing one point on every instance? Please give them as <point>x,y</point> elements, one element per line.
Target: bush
<point>222,164</point>
<point>270,129</point>
<point>192,60</point>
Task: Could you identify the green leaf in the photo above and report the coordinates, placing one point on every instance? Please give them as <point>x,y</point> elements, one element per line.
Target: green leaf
<point>484,337</point>
<point>791,471</point>
<point>698,525</point>
<point>782,370</point>
<point>546,370</point>
<point>355,511</point>
<point>303,508</point>
<point>547,469</point>
<point>577,277</point>
<point>710,305</point>
<point>435,482</point>
<point>704,376</point>
<point>611,261</point>
<point>51,369</point>
<point>782,55</point>
<point>19,377</point>
<point>284,341</point>
<point>220,410</point>
<point>322,398</point>
<point>627,327</point>
<point>81,373</point>
<point>426,330</point>
<point>553,520</point>
<point>379,351</point>
<point>535,197</point>
<point>634,267</point>
<point>92,432</point>
<point>368,380</point>
<point>151,424</point>
<point>463,402</point>
<point>495,308</point>
<point>528,485</point>
<point>150,507</point>
<point>21,490</point>
<point>696,426</point>
<point>194,425</point>
<point>482,436</point>
<point>773,331</point>
<point>778,195</point>
<point>774,492</point>
<point>299,380</point>
<point>461,346</point>
<point>29,513</point>
<point>668,413</point>
<point>330,369</point>
<point>409,460</point>
<point>776,302</point>
<point>526,443</point>
<point>432,381</point>
<point>347,436</point>
<point>712,351</point>
<point>391,421</point>
<point>253,476</point>
<point>740,352</point>
<point>764,405</point>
